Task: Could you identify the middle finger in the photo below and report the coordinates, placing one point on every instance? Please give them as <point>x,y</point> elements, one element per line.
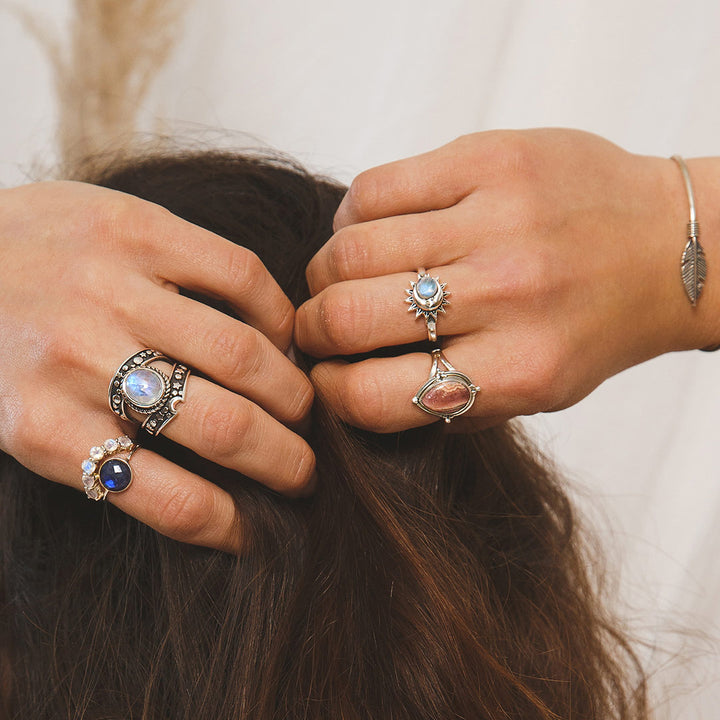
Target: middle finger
<point>235,355</point>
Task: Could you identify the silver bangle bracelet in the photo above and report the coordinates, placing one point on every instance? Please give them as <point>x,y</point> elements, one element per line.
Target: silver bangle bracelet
<point>693,266</point>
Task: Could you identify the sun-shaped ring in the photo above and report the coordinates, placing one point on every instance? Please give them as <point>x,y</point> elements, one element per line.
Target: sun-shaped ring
<point>427,297</point>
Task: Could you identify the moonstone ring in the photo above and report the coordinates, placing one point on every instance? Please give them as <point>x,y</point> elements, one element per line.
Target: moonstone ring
<point>448,392</point>
<point>427,297</point>
<point>106,470</point>
<point>146,391</point>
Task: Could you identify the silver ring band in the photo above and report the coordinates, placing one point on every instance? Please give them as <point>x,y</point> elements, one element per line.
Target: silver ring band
<point>155,422</point>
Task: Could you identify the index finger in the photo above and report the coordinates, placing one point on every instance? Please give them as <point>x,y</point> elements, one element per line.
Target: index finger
<point>199,260</point>
<point>173,251</point>
<point>431,181</point>
<point>438,179</point>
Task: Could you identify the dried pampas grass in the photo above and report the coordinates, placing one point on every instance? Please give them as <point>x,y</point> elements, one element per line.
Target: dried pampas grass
<point>103,73</point>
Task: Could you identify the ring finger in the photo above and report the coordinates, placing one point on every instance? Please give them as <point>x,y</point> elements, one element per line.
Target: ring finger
<point>163,495</point>
<point>377,394</point>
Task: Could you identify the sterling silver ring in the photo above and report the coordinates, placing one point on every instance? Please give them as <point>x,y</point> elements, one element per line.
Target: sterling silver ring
<point>448,392</point>
<point>427,297</point>
<point>145,390</point>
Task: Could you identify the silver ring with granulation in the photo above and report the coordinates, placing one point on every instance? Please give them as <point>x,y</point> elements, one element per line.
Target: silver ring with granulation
<point>146,391</point>
<point>447,392</point>
<point>427,297</point>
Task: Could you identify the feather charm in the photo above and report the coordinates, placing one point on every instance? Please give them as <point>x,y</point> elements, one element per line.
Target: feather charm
<point>694,269</point>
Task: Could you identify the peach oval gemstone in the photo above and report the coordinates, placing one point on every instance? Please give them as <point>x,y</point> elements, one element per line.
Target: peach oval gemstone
<point>447,396</point>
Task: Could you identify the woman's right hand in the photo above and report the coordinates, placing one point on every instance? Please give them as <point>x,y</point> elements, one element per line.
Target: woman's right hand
<point>89,276</point>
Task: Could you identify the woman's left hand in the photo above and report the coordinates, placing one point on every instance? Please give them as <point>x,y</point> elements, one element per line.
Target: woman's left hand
<point>561,253</point>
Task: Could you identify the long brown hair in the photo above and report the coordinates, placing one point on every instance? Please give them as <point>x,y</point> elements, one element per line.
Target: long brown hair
<point>432,575</point>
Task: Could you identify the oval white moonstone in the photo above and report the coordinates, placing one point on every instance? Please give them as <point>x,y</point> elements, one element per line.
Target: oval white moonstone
<point>143,387</point>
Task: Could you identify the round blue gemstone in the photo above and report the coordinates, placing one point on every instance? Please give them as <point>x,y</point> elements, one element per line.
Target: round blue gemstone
<point>426,287</point>
<point>115,475</point>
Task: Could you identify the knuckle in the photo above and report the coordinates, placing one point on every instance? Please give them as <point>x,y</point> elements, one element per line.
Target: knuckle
<point>25,436</point>
<point>513,152</point>
<point>304,466</point>
<point>62,350</point>
<point>300,404</point>
<point>186,513</point>
<point>107,214</point>
<point>539,378</point>
<point>244,270</point>
<point>530,213</point>
<point>237,353</point>
<point>337,314</point>
<point>348,254</point>
<point>465,145</point>
<point>363,193</point>
<point>286,322</point>
<point>523,282</point>
<point>363,401</point>
<point>222,431</point>
<point>529,283</point>
<point>121,217</point>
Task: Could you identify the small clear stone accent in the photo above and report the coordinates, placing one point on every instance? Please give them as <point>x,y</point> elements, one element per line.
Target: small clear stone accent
<point>137,360</point>
<point>124,367</point>
<point>88,467</point>
<point>93,493</point>
<point>88,481</point>
<point>97,453</point>
<point>125,442</point>
<point>110,445</point>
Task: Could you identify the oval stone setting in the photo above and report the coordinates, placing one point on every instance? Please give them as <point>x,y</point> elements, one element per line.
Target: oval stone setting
<point>426,287</point>
<point>446,397</point>
<point>143,387</point>
<point>115,475</point>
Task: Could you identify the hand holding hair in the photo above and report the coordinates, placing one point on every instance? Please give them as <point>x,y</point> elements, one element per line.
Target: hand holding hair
<point>91,276</point>
<point>560,253</point>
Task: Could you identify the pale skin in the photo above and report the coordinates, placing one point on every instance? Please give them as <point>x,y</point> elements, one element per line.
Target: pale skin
<point>91,276</point>
<point>562,254</point>
<point>560,249</point>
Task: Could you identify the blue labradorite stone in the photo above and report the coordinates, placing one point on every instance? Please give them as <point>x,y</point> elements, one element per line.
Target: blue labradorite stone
<point>426,287</point>
<point>143,387</point>
<point>115,475</point>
